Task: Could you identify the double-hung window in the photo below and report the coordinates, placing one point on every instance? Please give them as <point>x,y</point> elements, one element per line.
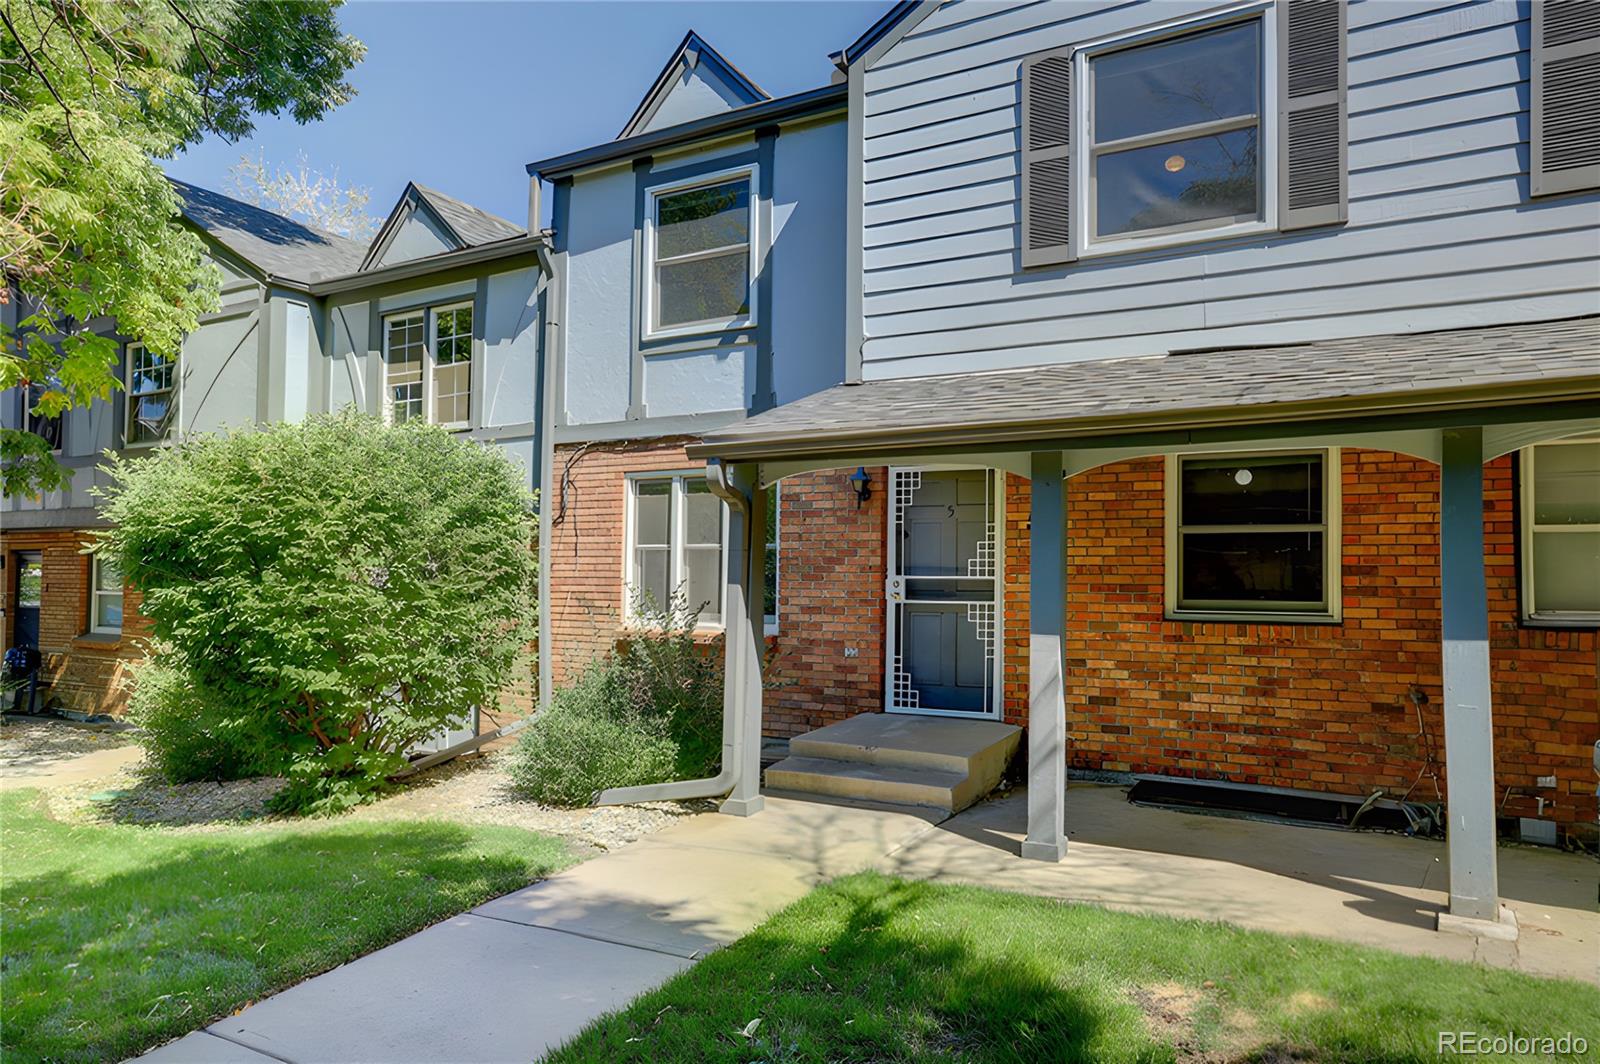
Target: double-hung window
<point>1253,534</point>
<point>105,606</point>
<point>676,528</point>
<point>152,402</point>
<point>1176,129</point>
<point>1561,531</point>
<point>427,365</point>
<point>699,261</point>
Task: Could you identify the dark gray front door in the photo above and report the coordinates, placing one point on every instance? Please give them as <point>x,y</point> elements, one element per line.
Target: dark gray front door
<point>943,582</point>
<point>29,582</point>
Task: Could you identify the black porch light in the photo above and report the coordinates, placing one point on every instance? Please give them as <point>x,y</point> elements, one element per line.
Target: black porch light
<point>863,485</point>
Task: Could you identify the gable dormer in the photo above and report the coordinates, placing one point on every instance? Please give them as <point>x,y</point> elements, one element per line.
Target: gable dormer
<point>696,82</point>
<point>414,230</point>
<point>427,222</point>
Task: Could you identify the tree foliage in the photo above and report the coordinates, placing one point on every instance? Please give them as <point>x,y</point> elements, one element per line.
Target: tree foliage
<point>302,191</point>
<point>353,586</point>
<point>92,94</point>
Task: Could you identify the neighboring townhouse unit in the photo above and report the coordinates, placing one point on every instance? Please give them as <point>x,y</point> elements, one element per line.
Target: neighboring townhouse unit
<point>1227,377</point>
<point>698,261</point>
<point>437,318</point>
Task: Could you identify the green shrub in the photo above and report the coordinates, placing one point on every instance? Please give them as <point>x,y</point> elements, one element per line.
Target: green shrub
<point>347,587</point>
<point>581,745</point>
<point>649,712</point>
<point>191,734</point>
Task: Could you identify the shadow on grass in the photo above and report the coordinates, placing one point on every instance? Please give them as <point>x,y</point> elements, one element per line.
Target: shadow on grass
<point>118,938</point>
<point>855,973</point>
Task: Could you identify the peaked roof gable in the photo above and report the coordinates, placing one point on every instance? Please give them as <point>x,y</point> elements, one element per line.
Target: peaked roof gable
<point>455,223</point>
<point>694,61</point>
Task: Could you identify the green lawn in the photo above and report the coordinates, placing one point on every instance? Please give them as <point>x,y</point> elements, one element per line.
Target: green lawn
<point>116,938</point>
<point>872,968</point>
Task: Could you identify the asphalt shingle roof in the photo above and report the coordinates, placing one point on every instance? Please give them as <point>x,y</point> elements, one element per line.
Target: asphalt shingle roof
<point>1369,371</point>
<point>272,243</point>
<point>471,224</point>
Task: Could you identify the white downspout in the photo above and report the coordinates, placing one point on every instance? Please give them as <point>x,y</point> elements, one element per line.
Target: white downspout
<point>741,665</point>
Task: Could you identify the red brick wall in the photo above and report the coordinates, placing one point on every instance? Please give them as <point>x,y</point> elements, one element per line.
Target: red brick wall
<point>831,565</point>
<point>84,672</point>
<point>587,498</point>
<point>1318,706</point>
<point>831,569</point>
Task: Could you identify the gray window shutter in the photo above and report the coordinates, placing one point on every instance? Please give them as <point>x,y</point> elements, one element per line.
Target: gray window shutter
<point>1312,142</point>
<point>1564,128</point>
<point>1047,159</point>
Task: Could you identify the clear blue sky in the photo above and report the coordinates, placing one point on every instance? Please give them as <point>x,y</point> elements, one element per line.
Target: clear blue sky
<point>462,95</point>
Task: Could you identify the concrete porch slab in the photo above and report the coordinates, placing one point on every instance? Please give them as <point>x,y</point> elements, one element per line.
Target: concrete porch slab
<point>946,743</point>
<point>467,989</point>
<point>1373,889</point>
<point>705,881</point>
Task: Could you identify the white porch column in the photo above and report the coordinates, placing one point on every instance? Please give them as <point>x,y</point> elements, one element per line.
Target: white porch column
<point>1468,731</point>
<point>1047,723</point>
<point>743,631</point>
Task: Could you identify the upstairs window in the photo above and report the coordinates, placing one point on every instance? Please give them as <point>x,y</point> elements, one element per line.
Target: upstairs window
<point>46,427</point>
<point>1175,135</point>
<point>151,397</point>
<point>427,366</point>
<point>1561,531</point>
<point>698,256</point>
<point>1253,534</point>
<point>452,365</point>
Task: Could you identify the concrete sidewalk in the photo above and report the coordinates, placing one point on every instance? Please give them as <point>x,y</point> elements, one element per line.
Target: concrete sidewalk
<point>523,973</point>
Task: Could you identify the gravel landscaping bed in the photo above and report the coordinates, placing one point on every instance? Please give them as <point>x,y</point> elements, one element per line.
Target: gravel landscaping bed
<point>28,741</point>
<point>476,790</point>
<point>470,791</point>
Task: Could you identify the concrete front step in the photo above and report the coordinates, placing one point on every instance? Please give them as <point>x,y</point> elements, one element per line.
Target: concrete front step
<point>878,783</point>
<point>942,763</point>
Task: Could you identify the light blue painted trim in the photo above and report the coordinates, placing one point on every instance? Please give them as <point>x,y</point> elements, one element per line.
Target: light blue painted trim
<point>560,218</point>
<point>476,384</point>
<point>1047,724</point>
<point>641,197</point>
<point>645,179</point>
<point>675,345</point>
<point>1468,718</point>
<point>648,428</point>
<point>855,230</point>
<point>765,397</point>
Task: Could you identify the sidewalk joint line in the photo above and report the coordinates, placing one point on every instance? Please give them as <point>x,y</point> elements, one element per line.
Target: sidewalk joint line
<point>246,1045</point>
<point>593,937</point>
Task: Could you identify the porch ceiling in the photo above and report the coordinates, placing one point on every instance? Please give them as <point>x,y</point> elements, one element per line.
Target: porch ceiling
<point>1408,374</point>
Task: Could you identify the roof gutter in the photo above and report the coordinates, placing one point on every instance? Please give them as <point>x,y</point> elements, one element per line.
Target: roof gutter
<point>401,271</point>
<point>787,108</point>
<point>1433,401</point>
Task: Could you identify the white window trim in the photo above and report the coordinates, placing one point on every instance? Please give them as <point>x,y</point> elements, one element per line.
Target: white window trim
<point>429,316</point>
<point>1083,117</point>
<point>769,622</point>
<point>128,396</point>
<point>751,173</point>
<point>429,386</point>
<point>1559,618</point>
<point>95,594</point>
<point>1329,611</point>
<point>675,564</point>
